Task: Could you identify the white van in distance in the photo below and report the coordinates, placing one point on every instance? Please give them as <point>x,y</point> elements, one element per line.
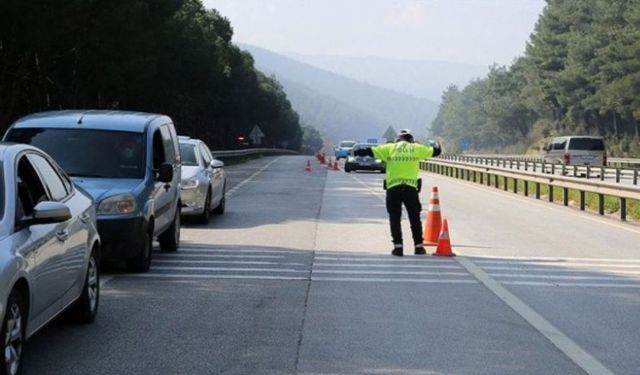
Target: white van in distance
<point>576,150</point>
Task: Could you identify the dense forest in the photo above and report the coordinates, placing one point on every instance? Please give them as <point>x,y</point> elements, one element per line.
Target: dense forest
<point>169,56</point>
<point>580,74</point>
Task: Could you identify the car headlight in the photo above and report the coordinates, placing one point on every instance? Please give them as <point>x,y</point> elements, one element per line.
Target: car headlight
<point>117,204</point>
<point>191,183</point>
<point>378,161</point>
<point>351,158</point>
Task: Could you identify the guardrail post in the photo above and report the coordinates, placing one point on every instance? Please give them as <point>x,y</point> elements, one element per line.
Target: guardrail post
<point>602,172</point>
<point>488,179</point>
<point>635,177</point>
<point>618,175</point>
<point>511,163</point>
<point>582,200</point>
<point>534,166</point>
<point>496,181</point>
<point>481,178</point>
<point>588,172</point>
<point>515,186</point>
<point>553,168</point>
<point>550,193</point>
<point>564,170</point>
<point>565,196</point>
<point>601,204</point>
<point>518,164</point>
<point>575,171</point>
<point>623,209</point>
<point>506,183</point>
<point>526,165</point>
<point>526,188</point>
<point>537,190</point>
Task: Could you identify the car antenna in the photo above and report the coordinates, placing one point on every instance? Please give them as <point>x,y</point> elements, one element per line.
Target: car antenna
<point>80,119</point>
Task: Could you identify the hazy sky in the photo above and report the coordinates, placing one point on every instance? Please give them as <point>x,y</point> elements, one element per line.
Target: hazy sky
<point>476,32</point>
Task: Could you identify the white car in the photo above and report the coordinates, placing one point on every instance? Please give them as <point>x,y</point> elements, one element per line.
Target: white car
<point>49,249</point>
<point>204,181</point>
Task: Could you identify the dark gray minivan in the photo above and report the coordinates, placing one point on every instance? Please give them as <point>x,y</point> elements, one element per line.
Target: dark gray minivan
<point>130,164</point>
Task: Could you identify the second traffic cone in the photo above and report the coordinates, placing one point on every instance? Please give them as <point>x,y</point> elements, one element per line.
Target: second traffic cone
<point>307,168</point>
<point>335,166</point>
<point>444,243</point>
<point>434,220</point>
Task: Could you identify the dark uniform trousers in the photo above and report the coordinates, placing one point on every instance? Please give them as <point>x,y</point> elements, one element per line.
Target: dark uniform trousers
<point>396,197</point>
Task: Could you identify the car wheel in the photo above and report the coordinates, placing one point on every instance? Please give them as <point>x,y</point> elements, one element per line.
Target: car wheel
<point>219,210</point>
<point>85,308</point>
<point>170,238</point>
<point>13,333</point>
<point>142,262</point>
<point>206,212</point>
<point>347,168</point>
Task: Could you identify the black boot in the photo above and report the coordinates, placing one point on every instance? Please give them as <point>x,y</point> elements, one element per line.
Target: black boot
<point>397,251</point>
<point>420,250</point>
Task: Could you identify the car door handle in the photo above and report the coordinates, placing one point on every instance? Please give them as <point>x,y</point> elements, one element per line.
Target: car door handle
<point>62,235</point>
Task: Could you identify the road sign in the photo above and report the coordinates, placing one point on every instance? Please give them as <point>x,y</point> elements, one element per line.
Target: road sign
<point>256,135</point>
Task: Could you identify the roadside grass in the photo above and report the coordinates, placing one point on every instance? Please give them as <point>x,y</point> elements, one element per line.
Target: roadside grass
<point>611,204</point>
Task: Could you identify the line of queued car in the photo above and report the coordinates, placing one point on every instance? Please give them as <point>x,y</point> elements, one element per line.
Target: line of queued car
<point>84,187</point>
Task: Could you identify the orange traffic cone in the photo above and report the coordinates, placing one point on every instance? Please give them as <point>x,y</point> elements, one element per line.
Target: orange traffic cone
<point>335,166</point>
<point>307,168</point>
<point>322,158</point>
<point>444,243</point>
<point>434,221</point>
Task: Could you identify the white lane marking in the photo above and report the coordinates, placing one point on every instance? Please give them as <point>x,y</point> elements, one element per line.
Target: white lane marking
<point>104,280</point>
<point>617,268</point>
<point>540,203</point>
<point>196,276</point>
<point>389,260</point>
<point>293,278</point>
<point>248,179</point>
<point>371,272</point>
<point>512,259</point>
<point>229,269</point>
<point>554,277</point>
<point>225,262</point>
<point>374,265</point>
<point>572,350</point>
<point>398,280</point>
<point>609,269</point>
<point>213,250</point>
<point>571,285</point>
<point>179,256</point>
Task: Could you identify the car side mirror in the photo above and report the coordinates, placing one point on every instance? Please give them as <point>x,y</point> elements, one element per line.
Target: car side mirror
<point>165,173</point>
<point>215,164</point>
<point>48,213</point>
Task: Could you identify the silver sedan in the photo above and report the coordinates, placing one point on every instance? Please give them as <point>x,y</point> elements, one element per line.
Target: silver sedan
<point>49,249</point>
<point>203,180</point>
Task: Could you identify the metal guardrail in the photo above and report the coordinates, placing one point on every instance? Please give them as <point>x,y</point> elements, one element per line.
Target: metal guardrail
<point>252,151</point>
<point>611,162</point>
<point>491,175</point>
<point>617,174</point>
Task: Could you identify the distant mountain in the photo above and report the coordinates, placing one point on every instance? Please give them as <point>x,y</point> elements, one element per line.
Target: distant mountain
<point>421,78</point>
<point>343,108</point>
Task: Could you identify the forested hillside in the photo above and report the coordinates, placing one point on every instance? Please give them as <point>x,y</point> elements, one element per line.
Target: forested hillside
<point>168,56</point>
<point>580,74</point>
<point>330,101</point>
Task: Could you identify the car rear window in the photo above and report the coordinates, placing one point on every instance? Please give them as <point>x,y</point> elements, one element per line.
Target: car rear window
<point>88,152</point>
<point>587,144</point>
<point>188,154</point>
<point>347,144</point>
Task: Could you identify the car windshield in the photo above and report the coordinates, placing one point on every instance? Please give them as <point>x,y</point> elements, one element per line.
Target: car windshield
<point>88,153</point>
<point>188,154</point>
<point>347,144</point>
<point>588,144</point>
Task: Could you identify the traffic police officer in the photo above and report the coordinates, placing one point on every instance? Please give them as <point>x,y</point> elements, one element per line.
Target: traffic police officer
<point>402,160</point>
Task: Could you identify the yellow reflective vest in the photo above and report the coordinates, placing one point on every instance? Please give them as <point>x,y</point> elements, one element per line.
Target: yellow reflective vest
<point>402,161</point>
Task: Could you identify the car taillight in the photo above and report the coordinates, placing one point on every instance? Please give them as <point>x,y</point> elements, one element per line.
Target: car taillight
<point>567,158</point>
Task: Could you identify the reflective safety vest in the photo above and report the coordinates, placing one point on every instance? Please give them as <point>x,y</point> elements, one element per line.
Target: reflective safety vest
<point>402,161</point>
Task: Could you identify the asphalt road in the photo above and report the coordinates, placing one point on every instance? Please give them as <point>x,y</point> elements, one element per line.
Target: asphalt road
<point>296,278</point>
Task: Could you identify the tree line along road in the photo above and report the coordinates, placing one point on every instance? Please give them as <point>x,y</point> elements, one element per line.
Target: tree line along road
<point>296,278</point>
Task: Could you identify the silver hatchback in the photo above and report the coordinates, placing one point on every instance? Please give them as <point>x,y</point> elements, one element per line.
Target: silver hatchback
<point>203,184</point>
<point>49,249</point>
